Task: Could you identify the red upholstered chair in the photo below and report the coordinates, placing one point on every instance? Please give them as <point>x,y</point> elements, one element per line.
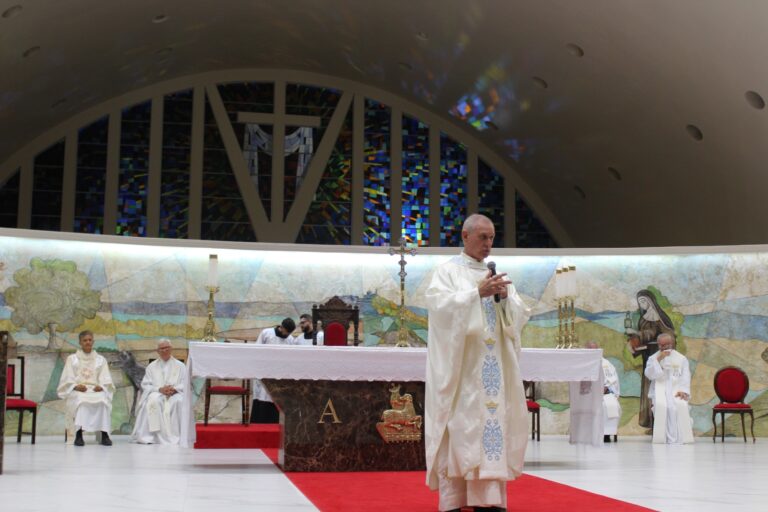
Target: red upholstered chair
<point>15,396</point>
<point>533,408</point>
<point>336,316</point>
<point>731,386</point>
<point>235,388</point>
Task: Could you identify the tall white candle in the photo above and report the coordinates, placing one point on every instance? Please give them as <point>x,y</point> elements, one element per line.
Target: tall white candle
<point>213,271</point>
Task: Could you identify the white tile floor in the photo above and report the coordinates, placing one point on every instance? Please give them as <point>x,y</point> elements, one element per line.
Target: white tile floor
<point>54,477</point>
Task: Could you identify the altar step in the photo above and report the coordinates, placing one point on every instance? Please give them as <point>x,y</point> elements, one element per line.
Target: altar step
<point>235,435</point>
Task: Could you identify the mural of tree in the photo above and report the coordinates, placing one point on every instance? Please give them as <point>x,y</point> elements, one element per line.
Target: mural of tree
<point>51,294</point>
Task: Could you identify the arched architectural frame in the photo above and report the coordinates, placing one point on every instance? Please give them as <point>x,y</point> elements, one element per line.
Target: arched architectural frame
<point>279,229</point>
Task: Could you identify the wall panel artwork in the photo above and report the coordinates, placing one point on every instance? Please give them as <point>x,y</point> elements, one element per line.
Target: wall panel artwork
<point>131,295</point>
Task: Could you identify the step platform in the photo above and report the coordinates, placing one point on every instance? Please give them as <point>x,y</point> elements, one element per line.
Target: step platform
<point>238,436</point>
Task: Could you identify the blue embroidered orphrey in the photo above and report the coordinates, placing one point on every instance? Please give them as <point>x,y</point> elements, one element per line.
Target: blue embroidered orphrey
<point>492,441</point>
<point>491,375</point>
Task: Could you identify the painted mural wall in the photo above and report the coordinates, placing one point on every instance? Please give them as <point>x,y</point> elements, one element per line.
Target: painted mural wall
<point>130,295</point>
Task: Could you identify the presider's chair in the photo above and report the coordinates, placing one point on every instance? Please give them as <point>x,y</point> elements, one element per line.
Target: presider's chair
<point>241,388</point>
<point>15,400</point>
<point>533,408</point>
<point>732,386</point>
<point>335,316</point>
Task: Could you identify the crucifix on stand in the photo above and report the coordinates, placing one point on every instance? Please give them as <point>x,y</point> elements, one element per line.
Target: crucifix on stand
<point>402,250</point>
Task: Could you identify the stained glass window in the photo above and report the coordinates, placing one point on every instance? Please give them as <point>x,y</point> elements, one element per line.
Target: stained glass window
<point>9,201</point>
<point>415,183</point>
<point>329,219</point>
<point>224,216</point>
<point>134,170</point>
<point>490,201</point>
<point>177,144</point>
<point>48,181</point>
<point>91,177</point>
<point>453,190</point>
<point>530,230</point>
<point>256,140</point>
<point>376,174</point>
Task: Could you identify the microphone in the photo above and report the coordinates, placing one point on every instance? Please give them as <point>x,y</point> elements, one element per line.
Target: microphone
<point>492,267</point>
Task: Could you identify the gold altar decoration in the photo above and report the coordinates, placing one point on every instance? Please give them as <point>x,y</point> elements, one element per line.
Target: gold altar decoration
<point>402,250</point>
<point>566,290</point>
<point>400,423</point>
<point>209,331</point>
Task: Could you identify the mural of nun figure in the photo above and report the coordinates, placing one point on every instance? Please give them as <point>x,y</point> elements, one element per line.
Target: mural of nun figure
<point>653,322</point>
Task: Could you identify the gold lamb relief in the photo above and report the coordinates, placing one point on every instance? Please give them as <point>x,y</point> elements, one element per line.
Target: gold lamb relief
<point>400,423</point>
<point>328,410</point>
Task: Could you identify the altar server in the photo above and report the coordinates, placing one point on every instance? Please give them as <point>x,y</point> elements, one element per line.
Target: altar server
<point>611,393</point>
<point>263,410</point>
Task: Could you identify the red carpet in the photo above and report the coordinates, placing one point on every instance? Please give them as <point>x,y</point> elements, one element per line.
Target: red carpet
<point>406,491</point>
<point>226,435</point>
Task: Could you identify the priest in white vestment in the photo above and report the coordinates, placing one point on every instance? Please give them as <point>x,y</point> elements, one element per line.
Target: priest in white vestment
<point>611,393</point>
<point>86,385</point>
<point>158,419</point>
<point>670,390</point>
<point>475,413</point>
<point>263,409</point>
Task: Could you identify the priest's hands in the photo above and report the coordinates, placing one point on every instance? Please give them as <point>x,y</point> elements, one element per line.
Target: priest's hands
<point>683,396</point>
<point>98,388</point>
<point>663,354</point>
<point>168,391</point>
<point>492,285</point>
<point>81,388</point>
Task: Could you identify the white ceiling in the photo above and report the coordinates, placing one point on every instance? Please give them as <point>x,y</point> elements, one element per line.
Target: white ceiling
<point>649,69</point>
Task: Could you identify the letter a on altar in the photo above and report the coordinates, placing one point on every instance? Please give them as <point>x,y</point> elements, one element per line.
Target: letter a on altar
<point>332,413</point>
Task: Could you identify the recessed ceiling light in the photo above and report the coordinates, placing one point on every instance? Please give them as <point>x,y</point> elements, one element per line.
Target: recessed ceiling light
<point>580,191</point>
<point>12,11</point>
<point>405,66</point>
<point>540,82</point>
<point>160,18</point>
<point>755,100</point>
<point>575,49</point>
<point>615,173</point>
<point>30,51</point>
<point>422,36</point>
<point>694,132</point>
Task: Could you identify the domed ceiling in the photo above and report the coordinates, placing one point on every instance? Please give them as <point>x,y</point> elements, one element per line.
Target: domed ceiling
<point>638,123</point>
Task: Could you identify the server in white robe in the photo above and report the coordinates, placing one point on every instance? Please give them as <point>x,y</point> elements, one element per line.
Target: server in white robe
<point>263,409</point>
<point>86,385</point>
<point>307,334</point>
<point>475,414</point>
<point>670,390</point>
<point>158,419</point>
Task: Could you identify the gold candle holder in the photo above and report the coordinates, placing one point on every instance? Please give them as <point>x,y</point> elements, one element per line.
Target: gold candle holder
<point>209,331</point>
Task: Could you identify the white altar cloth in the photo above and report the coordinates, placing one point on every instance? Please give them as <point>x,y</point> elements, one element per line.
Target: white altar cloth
<point>581,367</point>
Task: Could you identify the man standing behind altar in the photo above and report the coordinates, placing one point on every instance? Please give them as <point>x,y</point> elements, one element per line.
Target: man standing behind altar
<point>670,389</point>
<point>475,413</point>
<point>86,385</point>
<point>263,409</point>
<point>307,334</point>
<point>158,420</point>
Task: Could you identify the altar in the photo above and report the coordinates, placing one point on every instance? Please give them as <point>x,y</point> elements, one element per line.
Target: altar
<point>361,408</point>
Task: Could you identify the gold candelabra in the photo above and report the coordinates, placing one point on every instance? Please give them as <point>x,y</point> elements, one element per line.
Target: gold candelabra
<point>565,292</point>
<point>209,331</point>
<point>402,250</point>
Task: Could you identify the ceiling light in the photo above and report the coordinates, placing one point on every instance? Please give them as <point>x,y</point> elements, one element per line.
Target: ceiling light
<point>12,11</point>
<point>615,173</point>
<point>540,82</point>
<point>575,50</point>
<point>422,36</point>
<point>755,100</point>
<point>694,132</point>
<point>30,51</point>
<point>160,18</point>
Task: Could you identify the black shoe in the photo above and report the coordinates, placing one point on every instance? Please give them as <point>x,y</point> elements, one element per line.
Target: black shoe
<point>79,438</point>
<point>606,439</point>
<point>105,440</point>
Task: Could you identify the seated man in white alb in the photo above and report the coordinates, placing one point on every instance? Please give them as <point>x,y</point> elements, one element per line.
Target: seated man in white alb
<point>86,385</point>
<point>611,393</point>
<point>670,390</point>
<point>158,420</point>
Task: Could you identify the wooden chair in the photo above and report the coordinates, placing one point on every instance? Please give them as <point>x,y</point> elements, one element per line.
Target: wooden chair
<point>336,316</point>
<point>243,390</point>
<point>533,408</point>
<point>15,400</point>
<point>732,386</point>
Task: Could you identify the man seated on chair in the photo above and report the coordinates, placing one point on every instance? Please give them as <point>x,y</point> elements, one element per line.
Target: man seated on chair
<point>86,385</point>
<point>611,392</point>
<point>158,420</point>
<point>307,333</point>
<point>263,410</point>
<point>670,390</point>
